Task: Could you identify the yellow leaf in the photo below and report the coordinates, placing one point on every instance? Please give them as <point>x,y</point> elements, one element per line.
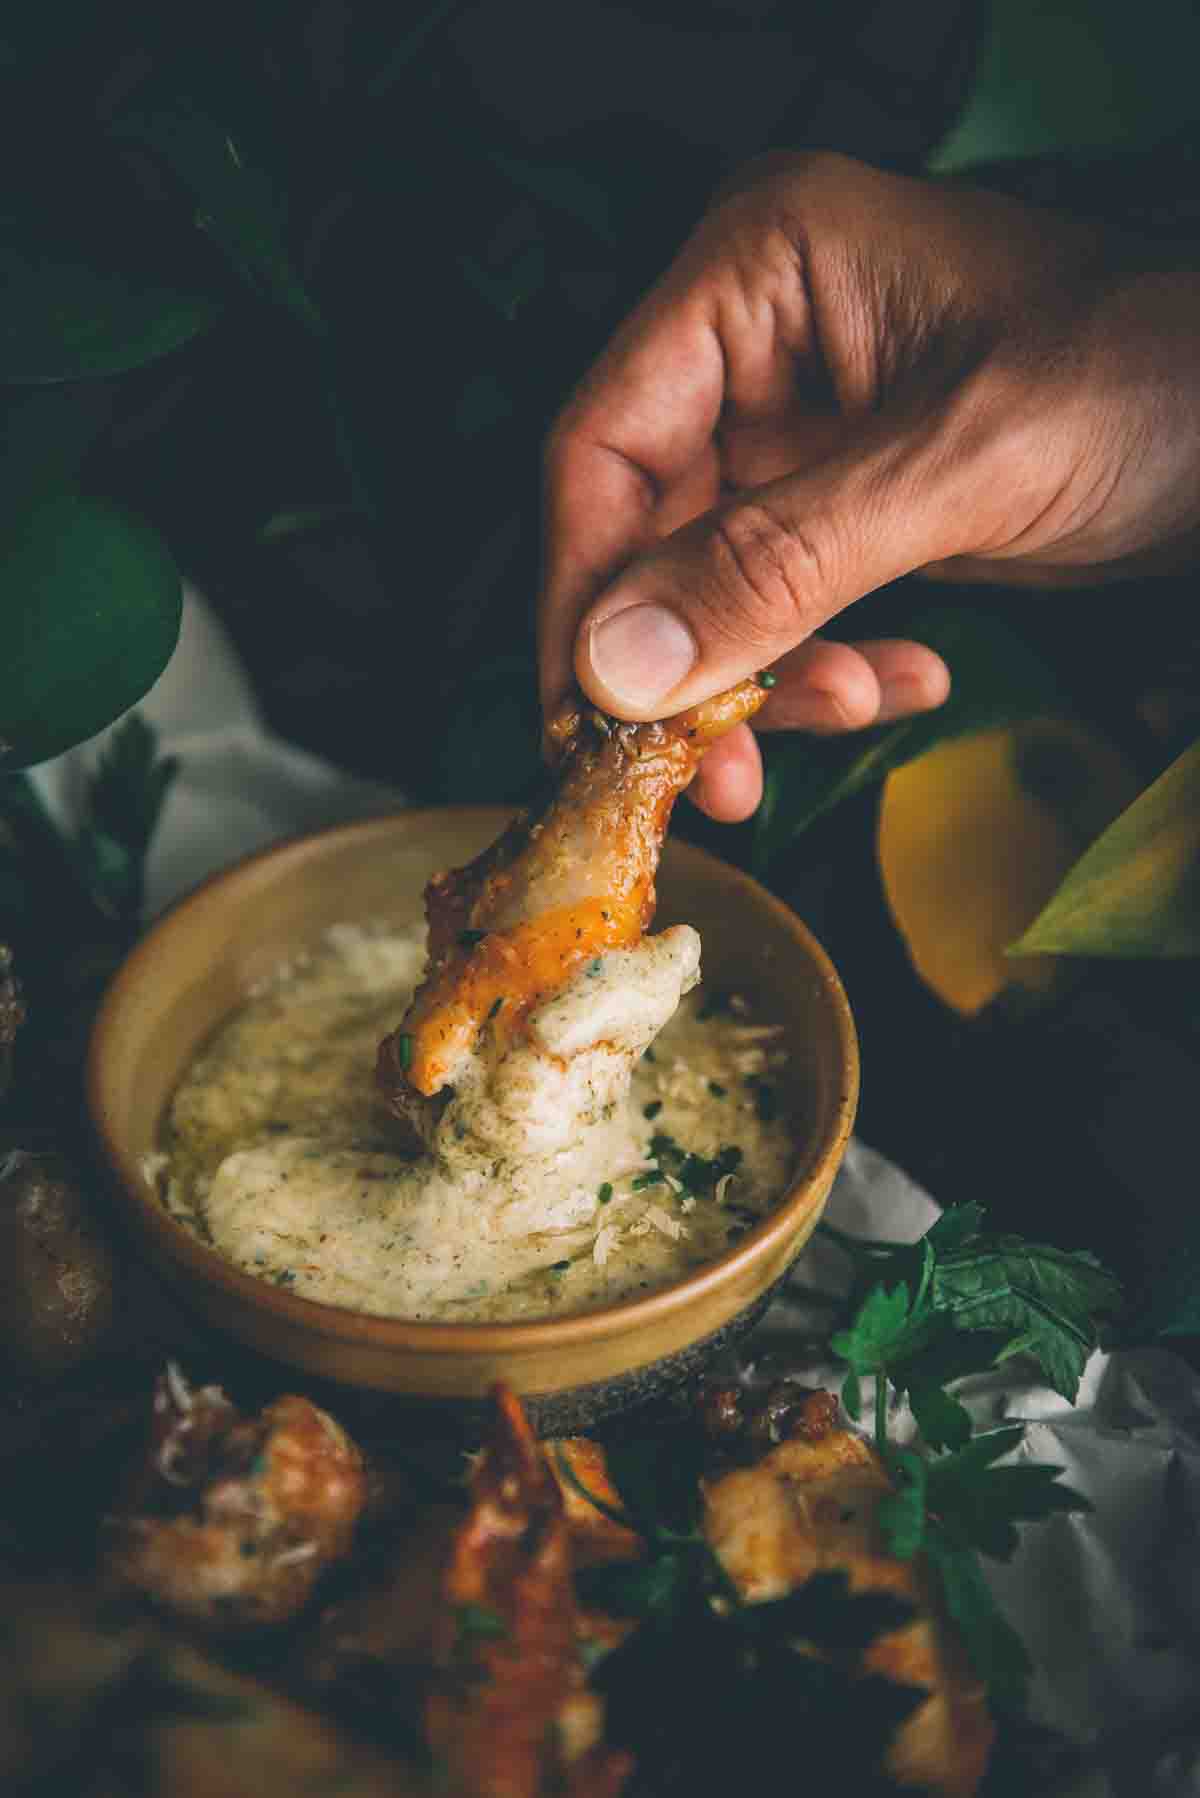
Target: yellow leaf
<point>974,838</point>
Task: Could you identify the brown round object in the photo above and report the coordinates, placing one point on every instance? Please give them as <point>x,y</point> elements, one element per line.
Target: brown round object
<point>56,1268</point>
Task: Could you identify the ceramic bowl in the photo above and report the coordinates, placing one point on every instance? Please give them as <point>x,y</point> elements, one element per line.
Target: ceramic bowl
<point>200,961</point>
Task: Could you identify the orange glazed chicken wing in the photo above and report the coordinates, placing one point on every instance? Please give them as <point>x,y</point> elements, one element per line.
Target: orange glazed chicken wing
<point>513,926</point>
<point>510,1715</point>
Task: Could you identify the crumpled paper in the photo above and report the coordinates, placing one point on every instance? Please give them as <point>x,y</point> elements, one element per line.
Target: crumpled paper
<point>1108,1602</point>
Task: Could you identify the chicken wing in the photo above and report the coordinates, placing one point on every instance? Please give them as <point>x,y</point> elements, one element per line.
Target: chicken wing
<point>554,891</point>
<point>810,1507</point>
<point>510,1715</point>
<point>232,1519</point>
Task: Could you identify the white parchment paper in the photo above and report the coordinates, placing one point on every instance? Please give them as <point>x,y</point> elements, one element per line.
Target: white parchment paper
<point>1108,1602</point>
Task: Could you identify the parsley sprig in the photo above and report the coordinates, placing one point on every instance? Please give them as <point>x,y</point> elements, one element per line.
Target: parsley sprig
<point>909,1303</point>
<point>922,1316</point>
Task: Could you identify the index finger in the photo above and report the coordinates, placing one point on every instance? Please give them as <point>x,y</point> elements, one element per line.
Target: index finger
<point>632,454</point>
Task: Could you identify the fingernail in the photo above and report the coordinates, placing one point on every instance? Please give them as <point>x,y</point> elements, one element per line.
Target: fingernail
<point>641,654</point>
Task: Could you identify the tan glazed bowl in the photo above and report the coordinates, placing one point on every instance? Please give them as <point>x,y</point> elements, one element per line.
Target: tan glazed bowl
<point>200,961</point>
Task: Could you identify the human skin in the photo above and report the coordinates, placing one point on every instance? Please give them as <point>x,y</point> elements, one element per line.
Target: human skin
<point>844,377</point>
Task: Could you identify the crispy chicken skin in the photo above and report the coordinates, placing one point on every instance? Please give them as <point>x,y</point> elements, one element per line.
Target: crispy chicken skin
<point>231,1519</point>
<point>554,890</point>
<point>810,1507</point>
<point>509,1715</point>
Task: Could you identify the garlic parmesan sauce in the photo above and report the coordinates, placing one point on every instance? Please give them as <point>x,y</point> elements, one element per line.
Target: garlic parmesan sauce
<point>542,1192</point>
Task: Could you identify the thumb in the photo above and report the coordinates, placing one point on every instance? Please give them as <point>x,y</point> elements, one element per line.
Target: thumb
<point>732,591</point>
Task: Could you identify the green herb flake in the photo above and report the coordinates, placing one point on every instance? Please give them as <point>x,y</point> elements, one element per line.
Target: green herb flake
<point>652,1110</point>
<point>495,1011</point>
<point>654,1178</point>
<point>469,938</point>
<point>766,1100</point>
<point>714,1005</point>
<point>766,679</point>
<point>717,1090</point>
<point>404,1044</point>
<point>604,1192</point>
<point>559,1267</point>
<point>596,967</point>
<point>478,1623</point>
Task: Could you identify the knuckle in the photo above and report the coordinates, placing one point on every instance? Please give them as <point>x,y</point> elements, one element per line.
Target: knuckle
<point>770,577</point>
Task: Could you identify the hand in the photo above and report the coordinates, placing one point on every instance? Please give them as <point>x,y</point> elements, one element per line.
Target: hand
<point>847,376</point>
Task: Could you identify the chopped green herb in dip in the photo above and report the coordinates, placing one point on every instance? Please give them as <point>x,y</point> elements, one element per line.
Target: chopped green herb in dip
<point>278,1152</point>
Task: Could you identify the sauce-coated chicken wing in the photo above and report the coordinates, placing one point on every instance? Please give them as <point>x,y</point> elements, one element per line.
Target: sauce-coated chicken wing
<point>555,890</point>
<point>510,1715</point>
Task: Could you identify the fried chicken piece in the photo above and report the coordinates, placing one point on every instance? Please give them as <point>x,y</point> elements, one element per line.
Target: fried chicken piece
<point>554,891</point>
<point>232,1519</point>
<point>809,1506</point>
<point>509,1715</point>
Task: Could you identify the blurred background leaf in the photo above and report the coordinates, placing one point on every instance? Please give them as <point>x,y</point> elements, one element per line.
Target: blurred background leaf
<point>91,604</point>
<point>1136,891</point>
<point>237,205</point>
<point>93,280</point>
<point>975,835</point>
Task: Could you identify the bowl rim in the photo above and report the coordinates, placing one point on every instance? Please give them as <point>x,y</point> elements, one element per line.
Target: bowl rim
<point>417,1336</point>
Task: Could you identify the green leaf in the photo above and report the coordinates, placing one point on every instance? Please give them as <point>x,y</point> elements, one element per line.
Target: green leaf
<point>886,1328</point>
<point>1170,1305</point>
<point>1045,1300</point>
<point>1136,891</point>
<point>978,1505</point>
<point>975,1504</point>
<point>236,203</point>
<point>91,604</point>
<point>125,799</point>
<point>396,63</point>
<point>996,1651</point>
<point>901,1515</point>
<point>563,189</point>
<point>996,679</point>
<point>955,1226</point>
<point>942,1421</point>
<point>48,432</point>
<point>658,1479</point>
<point>88,285</point>
<point>823,1613</point>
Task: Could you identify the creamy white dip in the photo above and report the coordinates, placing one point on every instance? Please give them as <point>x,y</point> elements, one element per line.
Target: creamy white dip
<point>554,1182</point>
